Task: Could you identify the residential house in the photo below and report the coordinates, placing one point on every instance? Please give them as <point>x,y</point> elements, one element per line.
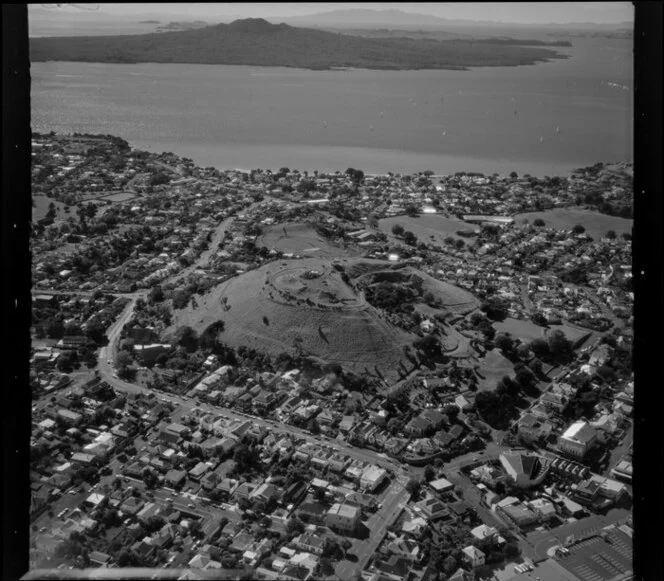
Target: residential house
<point>433,509</point>
<point>372,477</point>
<point>343,517</point>
<point>473,556</point>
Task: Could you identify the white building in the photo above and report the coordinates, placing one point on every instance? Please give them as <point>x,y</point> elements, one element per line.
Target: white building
<point>343,517</point>
<point>372,478</point>
<point>578,439</point>
<point>473,556</point>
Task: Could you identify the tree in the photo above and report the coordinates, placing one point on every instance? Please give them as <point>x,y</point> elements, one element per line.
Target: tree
<point>95,331</point>
<point>495,309</point>
<point>55,329</point>
<point>244,503</point>
<point>429,345</point>
<point>409,238</point>
<point>429,473</point>
<point>539,347</point>
<point>538,222</point>
<point>397,230</point>
<point>558,343</point>
<point>523,351</point>
<point>294,526</point>
<point>412,210</point>
<point>525,377</point>
<point>156,294</point>
<point>123,361</point>
<point>539,319</point>
<point>127,558</point>
<point>65,362</point>
<point>578,229</point>
<point>504,342</point>
<point>611,235</point>
<point>450,563</point>
<point>186,337</point>
<point>414,486</point>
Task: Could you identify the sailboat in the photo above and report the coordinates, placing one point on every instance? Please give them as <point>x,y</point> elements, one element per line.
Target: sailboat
<point>557,129</point>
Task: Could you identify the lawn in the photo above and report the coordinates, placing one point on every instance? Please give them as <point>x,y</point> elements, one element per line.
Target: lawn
<point>524,330</point>
<point>428,227</point>
<point>596,224</point>
<point>493,367</point>
<point>41,207</point>
<point>299,238</point>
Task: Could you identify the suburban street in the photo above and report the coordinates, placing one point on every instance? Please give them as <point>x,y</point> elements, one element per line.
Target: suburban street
<point>396,498</point>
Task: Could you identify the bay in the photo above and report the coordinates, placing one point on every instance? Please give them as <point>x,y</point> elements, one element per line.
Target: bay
<point>543,119</point>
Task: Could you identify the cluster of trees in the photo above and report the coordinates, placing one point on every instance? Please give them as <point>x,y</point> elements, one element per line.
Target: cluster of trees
<point>482,324</point>
<point>393,298</point>
<point>357,175</point>
<point>496,408</point>
<point>429,345</point>
<point>556,348</point>
<point>495,308</point>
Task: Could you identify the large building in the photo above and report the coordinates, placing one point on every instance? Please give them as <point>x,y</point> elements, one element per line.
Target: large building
<point>525,470</point>
<point>578,439</point>
<point>343,517</point>
<point>372,478</point>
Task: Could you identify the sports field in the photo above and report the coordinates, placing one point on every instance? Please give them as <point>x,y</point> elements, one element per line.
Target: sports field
<point>432,228</point>
<point>596,224</point>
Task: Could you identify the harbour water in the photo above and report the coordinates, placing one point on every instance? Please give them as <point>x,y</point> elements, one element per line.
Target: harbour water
<point>542,119</point>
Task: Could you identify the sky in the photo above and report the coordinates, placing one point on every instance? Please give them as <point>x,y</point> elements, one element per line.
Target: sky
<point>520,13</point>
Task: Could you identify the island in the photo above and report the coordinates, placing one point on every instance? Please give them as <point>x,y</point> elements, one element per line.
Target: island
<point>257,42</point>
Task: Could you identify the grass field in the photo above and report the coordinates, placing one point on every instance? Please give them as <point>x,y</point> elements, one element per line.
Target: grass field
<point>121,197</point>
<point>572,333</point>
<point>300,238</point>
<point>428,227</point>
<point>41,207</point>
<point>596,224</point>
<point>524,330</point>
<point>493,366</point>
<point>527,331</point>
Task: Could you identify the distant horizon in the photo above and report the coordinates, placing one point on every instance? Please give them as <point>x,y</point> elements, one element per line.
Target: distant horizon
<point>500,13</point>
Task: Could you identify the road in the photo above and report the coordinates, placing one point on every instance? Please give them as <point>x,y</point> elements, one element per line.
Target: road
<point>204,257</point>
<point>107,353</point>
<point>396,498</point>
<point>620,451</point>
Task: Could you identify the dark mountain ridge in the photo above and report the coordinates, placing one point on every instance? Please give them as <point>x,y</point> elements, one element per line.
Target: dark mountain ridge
<point>257,42</point>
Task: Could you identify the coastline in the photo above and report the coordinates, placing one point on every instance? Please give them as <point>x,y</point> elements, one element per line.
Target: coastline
<point>371,161</point>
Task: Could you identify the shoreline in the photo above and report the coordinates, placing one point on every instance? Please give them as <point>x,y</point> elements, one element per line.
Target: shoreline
<point>377,162</point>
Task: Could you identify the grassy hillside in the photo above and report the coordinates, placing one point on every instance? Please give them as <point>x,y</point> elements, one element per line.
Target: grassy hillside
<point>293,304</point>
<point>300,238</point>
<point>259,43</point>
<point>352,335</point>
